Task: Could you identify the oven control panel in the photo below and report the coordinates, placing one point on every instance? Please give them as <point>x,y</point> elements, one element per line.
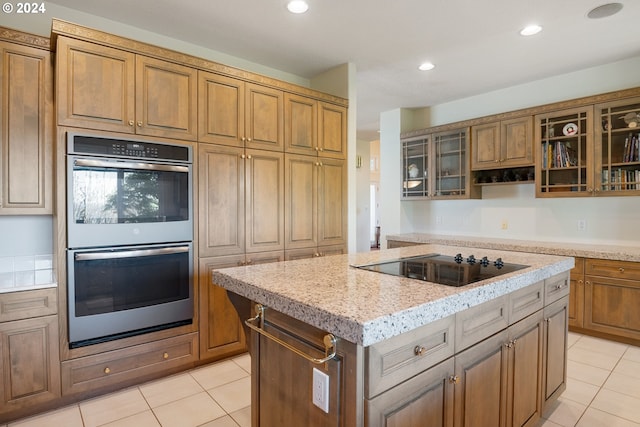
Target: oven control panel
<point>129,149</point>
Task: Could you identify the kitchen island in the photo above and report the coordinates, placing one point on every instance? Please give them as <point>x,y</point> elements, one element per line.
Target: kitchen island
<point>404,351</point>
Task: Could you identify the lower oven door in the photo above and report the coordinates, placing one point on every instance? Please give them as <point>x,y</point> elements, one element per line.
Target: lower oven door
<point>118,292</point>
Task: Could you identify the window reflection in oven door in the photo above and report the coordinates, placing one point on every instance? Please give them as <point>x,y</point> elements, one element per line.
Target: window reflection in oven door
<point>128,290</point>
<point>114,202</point>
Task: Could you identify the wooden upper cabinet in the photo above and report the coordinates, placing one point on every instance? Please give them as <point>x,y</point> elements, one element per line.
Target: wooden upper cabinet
<point>100,87</point>
<point>332,131</point>
<point>237,113</point>
<point>220,109</point>
<point>166,99</point>
<point>27,129</point>
<point>504,144</point>
<point>315,128</point>
<point>300,124</point>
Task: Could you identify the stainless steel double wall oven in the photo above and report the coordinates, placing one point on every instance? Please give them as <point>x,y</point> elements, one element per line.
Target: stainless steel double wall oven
<point>129,237</point>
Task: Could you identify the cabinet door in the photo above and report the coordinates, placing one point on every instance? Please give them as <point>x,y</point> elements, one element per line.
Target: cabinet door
<point>221,333</point>
<point>221,174</point>
<point>424,400</point>
<point>29,362</point>
<point>564,158</point>
<point>525,369</point>
<point>611,306</point>
<point>264,119</point>
<point>332,202</point>
<point>300,124</point>
<point>166,99</point>
<point>95,86</point>
<point>264,194</point>
<point>332,131</point>
<point>485,146</point>
<point>220,109</point>
<point>26,139</point>
<point>617,148</point>
<point>301,201</point>
<point>576,294</point>
<point>554,356</point>
<point>481,393</point>
<point>516,137</point>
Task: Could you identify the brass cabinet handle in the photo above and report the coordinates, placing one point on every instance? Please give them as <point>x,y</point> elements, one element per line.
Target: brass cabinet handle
<point>419,350</point>
<point>139,124</point>
<point>454,379</point>
<point>580,282</point>
<point>131,123</point>
<point>165,355</point>
<point>107,370</point>
<point>243,139</point>
<point>621,270</point>
<point>248,156</point>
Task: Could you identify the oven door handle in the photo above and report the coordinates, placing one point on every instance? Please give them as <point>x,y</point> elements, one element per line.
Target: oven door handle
<point>129,165</point>
<point>90,256</point>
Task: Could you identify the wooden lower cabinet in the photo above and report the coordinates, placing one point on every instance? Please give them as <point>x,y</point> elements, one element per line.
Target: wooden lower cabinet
<point>576,294</point>
<point>131,365</point>
<point>554,356</point>
<point>424,400</point>
<point>498,380</point>
<point>221,331</point>
<point>29,364</point>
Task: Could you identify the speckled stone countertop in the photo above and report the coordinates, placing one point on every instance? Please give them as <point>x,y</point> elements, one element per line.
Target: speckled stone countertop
<point>613,252</point>
<point>366,307</point>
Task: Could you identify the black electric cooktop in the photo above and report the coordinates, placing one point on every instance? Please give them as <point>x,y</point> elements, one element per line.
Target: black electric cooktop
<point>445,269</point>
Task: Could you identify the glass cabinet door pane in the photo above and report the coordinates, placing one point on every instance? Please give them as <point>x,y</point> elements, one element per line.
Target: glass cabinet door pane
<point>620,147</point>
<point>415,159</point>
<point>450,157</point>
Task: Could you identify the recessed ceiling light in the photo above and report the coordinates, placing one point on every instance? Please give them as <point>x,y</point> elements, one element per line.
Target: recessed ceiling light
<point>530,30</point>
<point>426,66</point>
<point>604,10</point>
<point>297,6</point>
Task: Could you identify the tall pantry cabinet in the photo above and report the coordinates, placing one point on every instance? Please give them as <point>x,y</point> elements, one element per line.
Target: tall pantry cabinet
<point>27,125</point>
<point>270,161</point>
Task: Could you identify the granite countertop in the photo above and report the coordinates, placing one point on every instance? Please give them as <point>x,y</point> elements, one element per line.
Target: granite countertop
<point>612,252</point>
<point>366,307</point>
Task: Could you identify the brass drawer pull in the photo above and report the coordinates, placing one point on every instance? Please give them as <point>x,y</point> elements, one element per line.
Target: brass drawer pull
<point>454,379</point>
<point>329,340</point>
<point>621,270</point>
<point>419,350</point>
<point>107,370</point>
<point>165,355</point>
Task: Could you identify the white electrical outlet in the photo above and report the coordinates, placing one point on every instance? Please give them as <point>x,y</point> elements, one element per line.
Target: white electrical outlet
<point>321,390</point>
<point>582,224</point>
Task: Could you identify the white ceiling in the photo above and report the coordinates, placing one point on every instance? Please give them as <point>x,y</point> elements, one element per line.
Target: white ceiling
<point>474,43</point>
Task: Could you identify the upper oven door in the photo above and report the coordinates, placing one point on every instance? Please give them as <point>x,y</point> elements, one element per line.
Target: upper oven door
<point>121,202</point>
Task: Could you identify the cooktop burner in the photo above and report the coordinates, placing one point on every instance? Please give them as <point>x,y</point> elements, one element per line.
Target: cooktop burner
<point>444,269</point>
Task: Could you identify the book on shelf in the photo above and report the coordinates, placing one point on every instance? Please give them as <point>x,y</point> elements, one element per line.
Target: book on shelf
<point>558,154</point>
<point>621,179</point>
<point>631,149</point>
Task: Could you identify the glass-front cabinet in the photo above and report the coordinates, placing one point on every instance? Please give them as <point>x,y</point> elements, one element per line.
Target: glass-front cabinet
<point>589,151</point>
<point>415,161</point>
<point>564,157</point>
<point>618,147</point>
<point>436,166</point>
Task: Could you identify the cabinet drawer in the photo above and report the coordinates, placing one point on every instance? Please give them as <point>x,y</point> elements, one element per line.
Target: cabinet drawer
<point>526,301</point>
<point>394,360</point>
<point>555,288</point>
<point>126,365</point>
<point>481,321</point>
<point>28,304</point>
<point>613,269</point>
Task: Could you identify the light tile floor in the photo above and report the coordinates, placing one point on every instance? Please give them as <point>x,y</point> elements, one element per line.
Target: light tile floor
<point>603,390</point>
<point>215,395</point>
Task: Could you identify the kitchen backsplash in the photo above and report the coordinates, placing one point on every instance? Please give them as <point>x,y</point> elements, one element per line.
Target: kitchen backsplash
<point>26,272</point>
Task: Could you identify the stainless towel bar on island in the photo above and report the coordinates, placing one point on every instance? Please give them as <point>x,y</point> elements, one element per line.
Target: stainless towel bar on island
<point>329,339</point>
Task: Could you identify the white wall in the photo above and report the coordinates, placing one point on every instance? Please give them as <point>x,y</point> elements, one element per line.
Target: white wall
<point>609,220</point>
